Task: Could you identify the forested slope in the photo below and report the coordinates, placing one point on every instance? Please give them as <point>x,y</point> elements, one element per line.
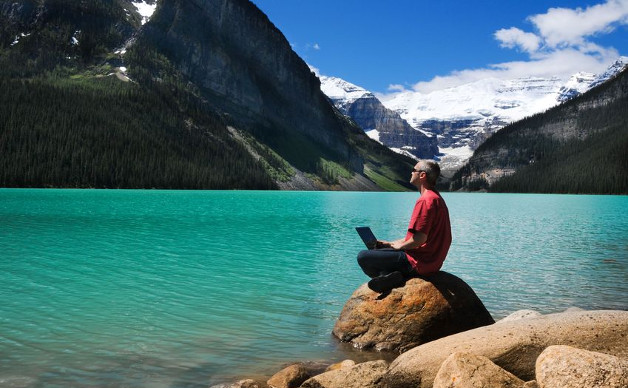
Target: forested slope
<point>577,147</point>
<point>90,97</point>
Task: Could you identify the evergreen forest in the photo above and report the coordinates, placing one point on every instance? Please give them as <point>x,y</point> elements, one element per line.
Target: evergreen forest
<point>104,133</point>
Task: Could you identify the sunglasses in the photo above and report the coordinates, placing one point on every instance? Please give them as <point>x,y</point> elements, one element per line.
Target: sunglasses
<point>415,170</point>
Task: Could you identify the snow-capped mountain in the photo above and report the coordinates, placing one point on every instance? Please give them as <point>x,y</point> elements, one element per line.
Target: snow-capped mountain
<point>461,118</point>
<point>576,85</point>
<point>612,70</point>
<point>341,92</point>
<point>379,123</point>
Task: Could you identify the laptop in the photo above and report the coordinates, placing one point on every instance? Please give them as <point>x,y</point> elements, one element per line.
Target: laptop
<point>367,236</point>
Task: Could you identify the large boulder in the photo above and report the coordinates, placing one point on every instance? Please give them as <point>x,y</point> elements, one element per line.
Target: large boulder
<point>514,345</point>
<point>364,375</point>
<point>467,370</point>
<point>248,383</point>
<point>423,310</point>
<point>568,367</point>
<point>294,375</point>
<point>521,314</point>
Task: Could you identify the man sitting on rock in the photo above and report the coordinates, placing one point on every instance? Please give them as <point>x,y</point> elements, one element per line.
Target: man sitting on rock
<point>427,241</point>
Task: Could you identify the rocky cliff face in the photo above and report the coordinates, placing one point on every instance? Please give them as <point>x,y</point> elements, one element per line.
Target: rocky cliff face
<point>46,34</point>
<point>246,67</point>
<point>380,123</point>
<point>391,130</point>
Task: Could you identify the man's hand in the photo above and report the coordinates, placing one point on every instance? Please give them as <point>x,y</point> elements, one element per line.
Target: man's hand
<point>382,244</point>
<point>397,244</point>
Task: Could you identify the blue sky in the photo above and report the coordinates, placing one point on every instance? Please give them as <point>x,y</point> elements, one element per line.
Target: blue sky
<point>387,46</point>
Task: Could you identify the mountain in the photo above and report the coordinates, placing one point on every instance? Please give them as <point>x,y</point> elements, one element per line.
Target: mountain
<point>576,85</point>
<point>380,123</point>
<point>171,94</point>
<point>576,147</point>
<point>460,118</point>
<point>463,117</point>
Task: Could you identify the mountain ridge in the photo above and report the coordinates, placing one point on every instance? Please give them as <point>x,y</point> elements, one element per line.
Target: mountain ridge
<point>380,123</point>
<point>235,86</point>
<point>575,147</point>
<point>462,117</point>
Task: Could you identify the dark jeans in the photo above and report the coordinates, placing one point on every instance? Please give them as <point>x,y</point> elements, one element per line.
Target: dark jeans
<point>377,262</point>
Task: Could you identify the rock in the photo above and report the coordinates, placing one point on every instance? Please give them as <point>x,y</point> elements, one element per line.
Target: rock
<point>573,308</point>
<point>364,375</point>
<point>568,367</point>
<point>289,377</point>
<point>521,314</point>
<point>248,383</point>
<point>421,311</point>
<point>531,384</point>
<point>346,364</point>
<point>514,345</point>
<point>294,375</point>
<point>252,384</point>
<point>467,370</point>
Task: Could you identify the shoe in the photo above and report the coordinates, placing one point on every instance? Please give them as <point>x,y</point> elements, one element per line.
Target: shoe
<point>385,283</point>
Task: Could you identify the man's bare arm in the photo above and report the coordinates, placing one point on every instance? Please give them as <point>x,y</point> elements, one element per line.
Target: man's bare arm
<point>415,241</point>
<point>388,244</point>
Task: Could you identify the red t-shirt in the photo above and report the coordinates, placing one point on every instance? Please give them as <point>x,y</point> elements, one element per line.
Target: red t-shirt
<point>430,216</point>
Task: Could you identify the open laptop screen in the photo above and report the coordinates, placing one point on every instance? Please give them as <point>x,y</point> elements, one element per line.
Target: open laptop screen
<point>367,236</point>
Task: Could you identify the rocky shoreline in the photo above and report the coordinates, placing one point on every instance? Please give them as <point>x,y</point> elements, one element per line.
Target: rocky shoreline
<point>575,348</point>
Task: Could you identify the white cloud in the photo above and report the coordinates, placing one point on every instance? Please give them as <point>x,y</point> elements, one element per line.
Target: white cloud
<point>559,62</point>
<point>312,46</point>
<point>561,44</point>
<point>561,27</point>
<point>514,37</point>
<point>396,88</point>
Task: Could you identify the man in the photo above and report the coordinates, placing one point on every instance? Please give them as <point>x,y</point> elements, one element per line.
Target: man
<point>425,246</point>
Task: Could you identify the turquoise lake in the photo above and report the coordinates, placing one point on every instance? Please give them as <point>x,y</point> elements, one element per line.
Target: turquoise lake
<point>135,288</point>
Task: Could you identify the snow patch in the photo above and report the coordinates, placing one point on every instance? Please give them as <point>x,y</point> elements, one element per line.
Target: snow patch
<point>373,134</point>
<point>145,10</point>
<point>402,151</point>
<point>17,38</point>
<point>453,157</point>
<point>339,89</point>
<point>459,152</point>
<point>74,41</point>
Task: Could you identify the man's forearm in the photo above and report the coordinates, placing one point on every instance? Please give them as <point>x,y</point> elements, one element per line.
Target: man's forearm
<point>403,245</point>
<point>413,242</point>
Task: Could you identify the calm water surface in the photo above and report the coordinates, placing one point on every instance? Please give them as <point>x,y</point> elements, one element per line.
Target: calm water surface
<point>191,288</point>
